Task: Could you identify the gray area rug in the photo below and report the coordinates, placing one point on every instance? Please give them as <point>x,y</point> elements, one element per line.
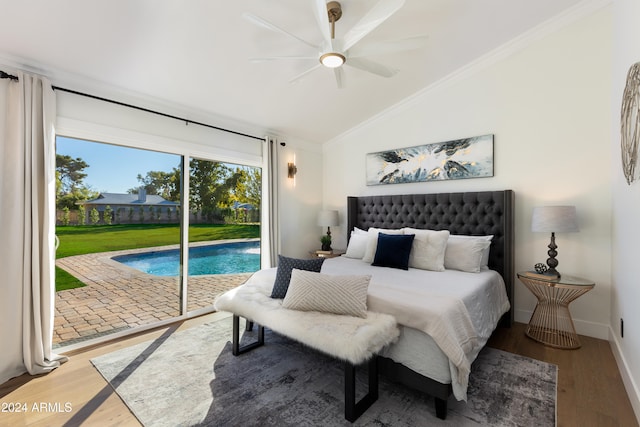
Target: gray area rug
<point>190,378</point>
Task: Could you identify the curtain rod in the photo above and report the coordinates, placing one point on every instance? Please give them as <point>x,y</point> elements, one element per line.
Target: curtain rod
<point>4,75</point>
<point>135,107</point>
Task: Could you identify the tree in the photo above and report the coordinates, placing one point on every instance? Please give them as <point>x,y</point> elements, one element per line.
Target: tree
<point>164,184</point>
<point>209,189</point>
<point>249,190</point>
<point>70,187</point>
<point>70,172</point>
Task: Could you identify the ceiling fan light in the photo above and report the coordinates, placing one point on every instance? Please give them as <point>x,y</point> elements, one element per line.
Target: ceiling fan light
<point>332,60</point>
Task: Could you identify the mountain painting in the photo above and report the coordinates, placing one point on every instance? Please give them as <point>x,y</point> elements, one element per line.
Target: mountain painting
<point>458,159</point>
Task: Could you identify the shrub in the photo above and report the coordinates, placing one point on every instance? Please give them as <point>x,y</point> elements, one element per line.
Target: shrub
<point>108,212</point>
<point>82,215</point>
<point>94,216</point>
<point>66,216</point>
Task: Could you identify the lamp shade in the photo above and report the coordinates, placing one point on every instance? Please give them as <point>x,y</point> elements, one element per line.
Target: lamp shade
<point>555,219</point>
<point>328,218</point>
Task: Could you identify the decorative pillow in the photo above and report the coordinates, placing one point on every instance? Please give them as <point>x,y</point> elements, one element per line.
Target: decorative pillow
<point>393,250</point>
<point>427,252</point>
<point>372,243</point>
<point>357,230</point>
<point>357,245</point>
<point>310,291</point>
<point>465,254</point>
<point>485,255</point>
<point>283,273</point>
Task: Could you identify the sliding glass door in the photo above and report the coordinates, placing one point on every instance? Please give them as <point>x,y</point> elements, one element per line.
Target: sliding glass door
<point>121,217</point>
<point>118,227</point>
<point>224,229</point>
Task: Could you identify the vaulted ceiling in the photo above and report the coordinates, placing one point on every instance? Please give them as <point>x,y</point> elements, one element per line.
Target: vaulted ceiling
<point>196,54</point>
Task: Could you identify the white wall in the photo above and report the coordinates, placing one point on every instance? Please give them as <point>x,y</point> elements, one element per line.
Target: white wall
<point>300,199</point>
<point>548,105</point>
<point>626,212</point>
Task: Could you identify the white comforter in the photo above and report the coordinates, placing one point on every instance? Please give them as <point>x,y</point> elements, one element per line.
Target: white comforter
<point>453,307</point>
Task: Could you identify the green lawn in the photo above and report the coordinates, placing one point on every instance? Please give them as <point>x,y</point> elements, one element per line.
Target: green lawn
<point>79,240</point>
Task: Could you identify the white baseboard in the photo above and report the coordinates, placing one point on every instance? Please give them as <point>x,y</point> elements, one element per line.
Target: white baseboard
<point>583,327</point>
<point>629,384</point>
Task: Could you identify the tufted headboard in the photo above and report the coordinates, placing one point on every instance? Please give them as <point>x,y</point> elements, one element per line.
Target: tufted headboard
<point>469,213</point>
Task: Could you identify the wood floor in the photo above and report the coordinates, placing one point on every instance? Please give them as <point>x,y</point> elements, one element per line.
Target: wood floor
<point>590,390</point>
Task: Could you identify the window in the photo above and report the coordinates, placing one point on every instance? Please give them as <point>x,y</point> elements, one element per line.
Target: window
<point>120,263</point>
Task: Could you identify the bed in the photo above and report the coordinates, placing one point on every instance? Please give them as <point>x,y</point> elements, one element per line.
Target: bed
<point>445,315</point>
<point>416,360</point>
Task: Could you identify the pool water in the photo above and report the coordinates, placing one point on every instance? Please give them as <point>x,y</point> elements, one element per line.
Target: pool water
<point>224,258</point>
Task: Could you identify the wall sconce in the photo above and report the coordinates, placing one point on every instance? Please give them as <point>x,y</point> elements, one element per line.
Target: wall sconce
<point>291,170</point>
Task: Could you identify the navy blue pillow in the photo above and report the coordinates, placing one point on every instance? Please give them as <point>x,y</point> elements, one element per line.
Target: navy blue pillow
<point>393,250</point>
<point>283,273</point>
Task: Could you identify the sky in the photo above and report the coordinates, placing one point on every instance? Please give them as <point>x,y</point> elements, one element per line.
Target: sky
<point>114,169</point>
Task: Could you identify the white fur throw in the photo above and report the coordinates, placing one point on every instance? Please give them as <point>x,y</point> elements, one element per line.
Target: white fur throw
<point>349,338</point>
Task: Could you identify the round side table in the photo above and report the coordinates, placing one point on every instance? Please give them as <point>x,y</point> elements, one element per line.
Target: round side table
<point>551,322</point>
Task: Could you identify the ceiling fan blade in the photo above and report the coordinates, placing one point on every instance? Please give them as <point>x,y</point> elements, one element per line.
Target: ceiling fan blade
<point>371,67</point>
<point>384,48</point>
<point>320,11</point>
<point>268,25</point>
<point>301,75</point>
<point>370,21</point>
<point>278,58</point>
<point>339,74</point>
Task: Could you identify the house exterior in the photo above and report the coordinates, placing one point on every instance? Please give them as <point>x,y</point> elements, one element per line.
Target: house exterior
<point>127,208</point>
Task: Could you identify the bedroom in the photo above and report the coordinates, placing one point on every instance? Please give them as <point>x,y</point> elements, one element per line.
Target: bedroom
<point>556,140</point>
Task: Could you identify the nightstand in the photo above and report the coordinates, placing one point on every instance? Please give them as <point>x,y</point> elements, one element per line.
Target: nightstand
<point>551,322</point>
<point>324,254</point>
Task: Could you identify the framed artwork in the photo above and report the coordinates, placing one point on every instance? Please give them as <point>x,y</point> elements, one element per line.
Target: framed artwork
<point>630,123</point>
<point>458,159</point>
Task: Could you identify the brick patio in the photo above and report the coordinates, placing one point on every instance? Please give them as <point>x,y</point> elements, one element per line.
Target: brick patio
<point>118,297</point>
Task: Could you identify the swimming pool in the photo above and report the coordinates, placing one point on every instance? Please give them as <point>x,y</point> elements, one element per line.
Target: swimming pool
<point>223,258</point>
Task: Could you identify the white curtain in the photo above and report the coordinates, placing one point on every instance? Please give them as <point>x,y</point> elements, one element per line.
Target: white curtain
<point>27,225</point>
<point>270,217</point>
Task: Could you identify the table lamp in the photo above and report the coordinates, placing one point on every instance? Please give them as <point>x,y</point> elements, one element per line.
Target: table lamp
<point>554,219</point>
<point>327,218</point>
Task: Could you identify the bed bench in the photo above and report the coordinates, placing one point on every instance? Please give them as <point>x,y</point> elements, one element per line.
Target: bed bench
<point>353,340</point>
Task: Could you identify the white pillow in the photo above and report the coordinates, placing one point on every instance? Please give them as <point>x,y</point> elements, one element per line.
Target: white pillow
<point>465,254</point>
<point>485,255</point>
<point>357,230</point>
<point>310,291</point>
<point>427,251</point>
<point>372,243</point>
<point>357,245</point>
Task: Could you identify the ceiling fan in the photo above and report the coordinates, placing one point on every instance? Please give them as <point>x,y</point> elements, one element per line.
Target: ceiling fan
<point>334,53</point>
